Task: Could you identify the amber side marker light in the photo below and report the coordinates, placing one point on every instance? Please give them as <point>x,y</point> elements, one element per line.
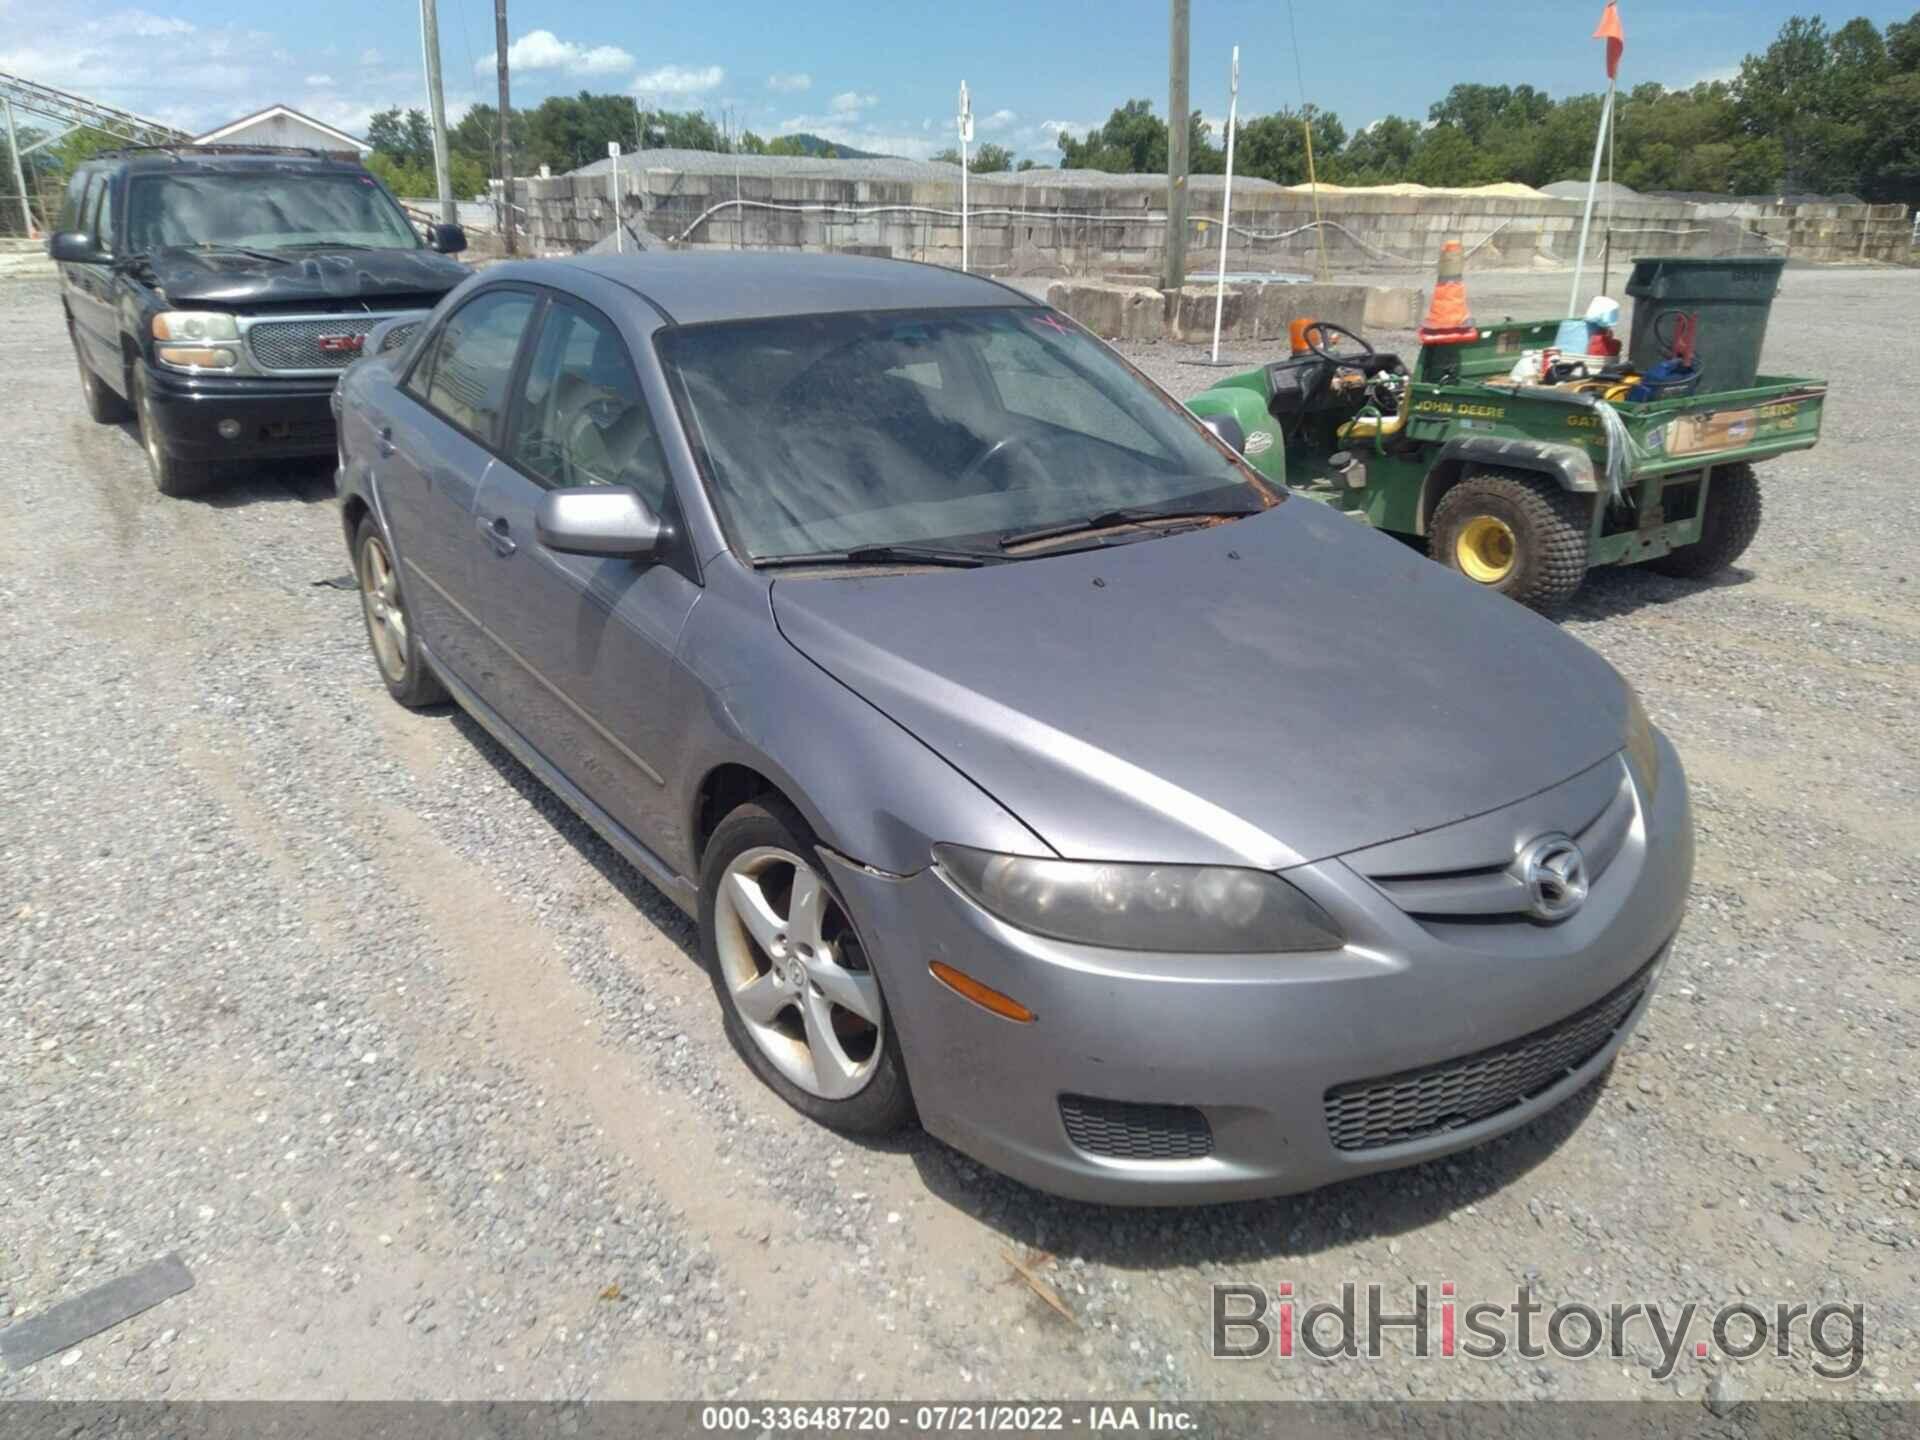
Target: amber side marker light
<point>985,996</point>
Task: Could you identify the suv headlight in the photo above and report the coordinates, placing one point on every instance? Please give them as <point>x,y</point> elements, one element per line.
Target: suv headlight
<point>195,326</point>
<point>1643,750</point>
<point>1209,909</point>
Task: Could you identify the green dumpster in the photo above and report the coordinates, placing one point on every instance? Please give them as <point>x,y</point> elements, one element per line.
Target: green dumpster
<point>1732,297</point>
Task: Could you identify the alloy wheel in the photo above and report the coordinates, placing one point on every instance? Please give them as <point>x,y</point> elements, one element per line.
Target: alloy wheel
<point>386,616</point>
<point>797,976</point>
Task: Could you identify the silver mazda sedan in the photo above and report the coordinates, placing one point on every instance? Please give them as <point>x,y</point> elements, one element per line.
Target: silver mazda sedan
<point>1029,762</point>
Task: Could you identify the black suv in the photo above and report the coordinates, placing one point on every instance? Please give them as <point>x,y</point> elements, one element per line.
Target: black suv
<point>220,290</point>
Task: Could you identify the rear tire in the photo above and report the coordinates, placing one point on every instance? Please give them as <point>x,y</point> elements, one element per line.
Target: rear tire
<point>103,405</point>
<point>782,967</point>
<point>1519,534</point>
<point>1731,521</point>
<point>173,477</point>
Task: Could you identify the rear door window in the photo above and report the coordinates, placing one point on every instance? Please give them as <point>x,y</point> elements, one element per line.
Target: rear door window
<point>473,362</point>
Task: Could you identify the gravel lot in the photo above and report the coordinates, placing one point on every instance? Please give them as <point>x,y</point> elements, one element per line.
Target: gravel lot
<point>426,1086</point>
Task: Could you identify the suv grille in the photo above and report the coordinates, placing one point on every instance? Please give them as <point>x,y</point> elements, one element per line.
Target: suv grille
<point>398,336</point>
<point>295,344</point>
<point>1366,1114</point>
<point>1120,1130</point>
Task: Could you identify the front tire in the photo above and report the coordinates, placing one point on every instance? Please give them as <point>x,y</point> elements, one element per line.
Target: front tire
<point>104,407</point>
<point>390,628</point>
<point>1519,534</point>
<point>1727,528</point>
<point>173,477</point>
<point>801,1001</point>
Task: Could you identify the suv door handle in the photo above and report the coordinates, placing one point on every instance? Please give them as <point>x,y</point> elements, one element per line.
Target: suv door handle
<point>499,534</point>
<point>386,441</point>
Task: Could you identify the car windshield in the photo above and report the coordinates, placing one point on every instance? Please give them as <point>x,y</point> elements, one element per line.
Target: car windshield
<point>264,210</point>
<point>825,434</point>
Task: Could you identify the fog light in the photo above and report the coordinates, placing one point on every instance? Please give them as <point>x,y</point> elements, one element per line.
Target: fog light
<point>229,429</point>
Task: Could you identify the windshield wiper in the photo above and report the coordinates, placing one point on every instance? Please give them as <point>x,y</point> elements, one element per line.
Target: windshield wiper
<point>335,245</point>
<point>887,555</point>
<point>250,253</point>
<point>1130,515</point>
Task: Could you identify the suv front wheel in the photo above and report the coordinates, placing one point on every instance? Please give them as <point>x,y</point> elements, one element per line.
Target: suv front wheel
<point>172,476</point>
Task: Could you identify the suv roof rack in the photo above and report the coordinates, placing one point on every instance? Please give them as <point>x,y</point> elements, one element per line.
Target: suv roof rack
<point>181,149</point>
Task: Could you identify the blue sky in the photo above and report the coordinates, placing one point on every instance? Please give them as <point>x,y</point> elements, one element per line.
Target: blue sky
<point>876,75</point>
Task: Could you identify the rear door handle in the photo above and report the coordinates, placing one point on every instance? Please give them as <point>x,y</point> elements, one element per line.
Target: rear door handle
<point>499,534</point>
<point>386,441</point>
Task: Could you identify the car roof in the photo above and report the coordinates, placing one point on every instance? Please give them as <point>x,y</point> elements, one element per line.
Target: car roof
<point>699,288</point>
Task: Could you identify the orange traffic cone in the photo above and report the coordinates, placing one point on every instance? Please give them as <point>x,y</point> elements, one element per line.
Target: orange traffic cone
<point>1448,321</point>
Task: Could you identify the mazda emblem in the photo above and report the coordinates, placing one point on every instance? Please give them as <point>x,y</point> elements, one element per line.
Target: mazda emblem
<point>1554,872</point>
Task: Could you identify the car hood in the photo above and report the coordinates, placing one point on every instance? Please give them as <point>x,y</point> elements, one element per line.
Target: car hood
<point>223,278</point>
<point>1266,692</point>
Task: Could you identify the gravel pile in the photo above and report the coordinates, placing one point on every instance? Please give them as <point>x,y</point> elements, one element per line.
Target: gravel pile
<point>427,1089</point>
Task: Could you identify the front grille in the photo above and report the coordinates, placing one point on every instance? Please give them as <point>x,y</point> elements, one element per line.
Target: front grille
<point>1120,1130</point>
<point>1496,892</point>
<point>295,344</point>
<point>1366,1114</point>
<point>398,336</point>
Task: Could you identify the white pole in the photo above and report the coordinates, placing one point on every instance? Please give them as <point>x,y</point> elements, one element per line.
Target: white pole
<point>1226,205</point>
<point>1586,214</point>
<point>19,175</point>
<point>966,138</point>
<point>613,191</point>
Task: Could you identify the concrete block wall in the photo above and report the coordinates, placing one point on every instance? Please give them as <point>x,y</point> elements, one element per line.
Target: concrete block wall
<point>1023,225</point>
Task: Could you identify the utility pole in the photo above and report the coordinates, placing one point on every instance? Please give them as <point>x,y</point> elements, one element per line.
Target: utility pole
<point>437,108</point>
<point>506,138</point>
<point>1178,131</point>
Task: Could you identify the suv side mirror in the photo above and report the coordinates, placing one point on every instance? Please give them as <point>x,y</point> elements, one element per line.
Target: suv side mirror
<point>447,239</point>
<point>601,520</point>
<point>1227,431</point>
<point>76,247</point>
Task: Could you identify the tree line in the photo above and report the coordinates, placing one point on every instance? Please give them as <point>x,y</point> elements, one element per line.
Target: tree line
<point>1819,111</point>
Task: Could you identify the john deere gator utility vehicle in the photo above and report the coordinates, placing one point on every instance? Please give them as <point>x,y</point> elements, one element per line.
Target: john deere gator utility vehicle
<point>1520,487</point>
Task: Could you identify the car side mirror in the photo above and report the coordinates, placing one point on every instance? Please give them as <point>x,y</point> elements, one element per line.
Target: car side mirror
<point>601,520</point>
<point>447,239</point>
<point>1227,431</point>
<point>76,247</point>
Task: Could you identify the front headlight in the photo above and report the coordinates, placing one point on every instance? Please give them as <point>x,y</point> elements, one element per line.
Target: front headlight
<point>1643,750</point>
<point>1208,909</point>
<point>195,325</point>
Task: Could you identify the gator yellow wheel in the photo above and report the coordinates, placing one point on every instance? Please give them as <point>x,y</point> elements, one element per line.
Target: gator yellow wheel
<point>1483,550</point>
<point>1517,533</point>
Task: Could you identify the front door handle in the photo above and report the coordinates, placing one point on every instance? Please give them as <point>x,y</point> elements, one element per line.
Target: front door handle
<point>386,441</point>
<point>499,534</point>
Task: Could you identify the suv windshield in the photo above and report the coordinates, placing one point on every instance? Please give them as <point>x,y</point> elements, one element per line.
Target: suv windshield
<point>264,210</point>
<point>828,433</point>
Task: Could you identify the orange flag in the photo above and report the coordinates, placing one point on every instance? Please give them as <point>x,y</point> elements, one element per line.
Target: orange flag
<point>1616,38</point>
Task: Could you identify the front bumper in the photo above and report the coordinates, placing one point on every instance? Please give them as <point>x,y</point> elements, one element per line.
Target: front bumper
<point>1255,1043</point>
<point>274,418</point>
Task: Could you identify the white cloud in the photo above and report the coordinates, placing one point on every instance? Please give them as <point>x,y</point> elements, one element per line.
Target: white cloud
<point>197,77</point>
<point>852,102</point>
<point>999,120</point>
<point>790,84</point>
<point>679,80</point>
<point>544,50</point>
